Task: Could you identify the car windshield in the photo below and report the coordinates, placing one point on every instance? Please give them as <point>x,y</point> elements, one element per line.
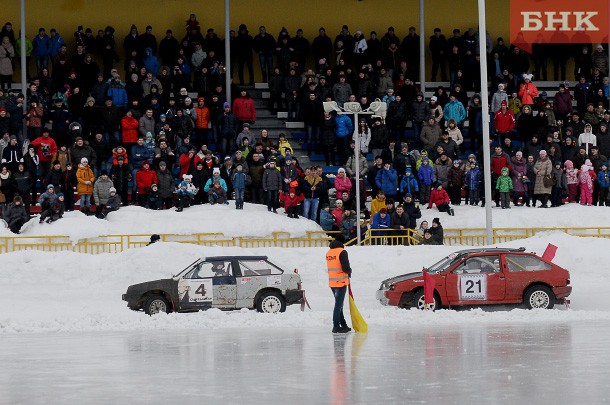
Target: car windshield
<point>188,268</point>
<point>444,263</point>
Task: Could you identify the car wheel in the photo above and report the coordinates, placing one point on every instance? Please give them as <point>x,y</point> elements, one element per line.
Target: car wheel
<point>539,296</point>
<point>420,301</point>
<point>271,302</point>
<point>155,304</point>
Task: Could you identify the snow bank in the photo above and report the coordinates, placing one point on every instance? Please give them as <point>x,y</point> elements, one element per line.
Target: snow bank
<point>253,220</point>
<point>56,292</point>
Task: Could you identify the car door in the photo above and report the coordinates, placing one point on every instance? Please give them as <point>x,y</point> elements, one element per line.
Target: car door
<point>208,285</point>
<point>522,270</point>
<point>254,276</point>
<point>477,280</point>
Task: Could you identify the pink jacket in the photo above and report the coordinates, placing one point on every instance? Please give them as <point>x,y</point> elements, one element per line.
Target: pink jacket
<point>342,184</point>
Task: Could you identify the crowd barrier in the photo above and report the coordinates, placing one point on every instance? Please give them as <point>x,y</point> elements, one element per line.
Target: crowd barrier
<point>119,243</point>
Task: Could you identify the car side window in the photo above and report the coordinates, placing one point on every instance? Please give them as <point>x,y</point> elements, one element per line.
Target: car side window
<point>479,264</point>
<point>257,268</point>
<point>517,263</point>
<point>212,269</point>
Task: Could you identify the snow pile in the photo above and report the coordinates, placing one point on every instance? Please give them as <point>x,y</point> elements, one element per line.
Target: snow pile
<point>42,292</point>
<point>254,220</point>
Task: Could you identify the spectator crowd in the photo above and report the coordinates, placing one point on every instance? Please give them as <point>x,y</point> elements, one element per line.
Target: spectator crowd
<point>159,132</point>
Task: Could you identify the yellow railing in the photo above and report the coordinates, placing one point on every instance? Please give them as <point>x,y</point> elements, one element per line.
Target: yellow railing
<point>119,243</point>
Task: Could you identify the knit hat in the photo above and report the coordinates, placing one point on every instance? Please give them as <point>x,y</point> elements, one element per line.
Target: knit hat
<point>59,195</point>
<point>187,176</point>
<point>162,163</point>
<point>84,160</point>
<point>119,158</point>
<point>588,162</point>
<point>68,164</point>
<point>408,195</point>
<point>288,157</point>
<point>145,162</point>
<point>505,170</point>
<point>112,190</point>
<point>383,211</point>
<point>433,98</point>
<point>216,170</point>
<point>50,186</point>
<point>436,221</point>
<point>503,103</point>
<point>226,104</point>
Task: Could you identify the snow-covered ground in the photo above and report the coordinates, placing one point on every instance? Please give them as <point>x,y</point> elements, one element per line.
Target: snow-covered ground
<point>42,292</point>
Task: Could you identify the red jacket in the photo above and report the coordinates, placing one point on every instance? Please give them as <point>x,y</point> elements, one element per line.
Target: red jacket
<point>243,109</point>
<point>291,201</point>
<point>498,162</point>
<point>438,197</point>
<point>46,148</point>
<point>145,179</point>
<point>185,163</point>
<point>129,126</point>
<point>504,122</point>
<point>527,92</point>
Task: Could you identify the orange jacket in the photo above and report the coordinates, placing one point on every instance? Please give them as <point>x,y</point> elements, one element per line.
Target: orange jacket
<point>336,276</point>
<point>527,92</point>
<point>203,117</point>
<point>83,174</point>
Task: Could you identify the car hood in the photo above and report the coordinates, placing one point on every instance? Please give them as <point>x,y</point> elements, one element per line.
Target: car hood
<point>162,284</point>
<point>403,277</point>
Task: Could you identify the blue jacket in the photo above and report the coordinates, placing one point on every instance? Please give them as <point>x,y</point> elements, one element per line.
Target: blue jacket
<point>138,155</point>
<point>326,220</point>
<point>409,185</point>
<point>473,178</point>
<point>387,181</point>
<point>426,175</point>
<point>381,223</point>
<point>454,110</point>
<point>344,126</point>
<point>119,96</point>
<point>42,46</point>
<point>603,178</point>
<point>151,62</point>
<point>56,42</point>
<point>239,180</point>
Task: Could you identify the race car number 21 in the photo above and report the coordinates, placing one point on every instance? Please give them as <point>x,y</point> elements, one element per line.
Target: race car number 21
<point>473,287</point>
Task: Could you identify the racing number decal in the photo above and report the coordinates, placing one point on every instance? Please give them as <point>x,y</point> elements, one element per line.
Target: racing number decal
<point>473,286</point>
<point>196,291</point>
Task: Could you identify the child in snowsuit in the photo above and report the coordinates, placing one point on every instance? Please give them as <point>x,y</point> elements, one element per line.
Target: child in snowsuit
<point>455,180</point>
<point>239,186</point>
<point>586,177</point>
<point>504,185</point>
<point>559,185</point>
<point>408,184</point>
<point>55,210</point>
<point>186,192</point>
<point>572,179</point>
<point>378,203</point>
<point>291,202</point>
<point>113,203</point>
<point>473,182</point>
<point>216,194</point>
<point>603,179</point>
<point>155,202</point>
<point>426,178</point>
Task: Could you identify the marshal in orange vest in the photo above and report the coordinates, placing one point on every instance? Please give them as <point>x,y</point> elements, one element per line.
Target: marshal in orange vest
<point>336,276</point>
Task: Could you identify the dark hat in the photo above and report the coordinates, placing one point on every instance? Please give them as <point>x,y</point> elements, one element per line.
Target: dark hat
<point>56,162</point>
<point>383,211</point>
<point>154,237</point>
<point>408,195</point>
<point>162,163</point>
<point>145,162</point>
<point>120,157</point>
<point>427,231</point>
<point>68,164</point>
<point>436,221</point>
<point>60,195</point>
<point>104,173</point>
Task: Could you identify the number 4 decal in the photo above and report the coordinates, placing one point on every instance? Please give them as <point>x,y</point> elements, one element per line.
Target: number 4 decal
<point>473,287</point>
<point>201,290</point>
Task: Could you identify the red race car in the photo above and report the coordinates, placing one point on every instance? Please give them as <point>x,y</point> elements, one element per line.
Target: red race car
<point>487,276</point>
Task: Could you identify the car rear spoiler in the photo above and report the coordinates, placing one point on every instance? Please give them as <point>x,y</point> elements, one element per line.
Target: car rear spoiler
<point>549,253</point>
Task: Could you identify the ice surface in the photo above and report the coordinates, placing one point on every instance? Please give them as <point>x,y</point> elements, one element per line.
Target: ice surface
<point>551,363</point>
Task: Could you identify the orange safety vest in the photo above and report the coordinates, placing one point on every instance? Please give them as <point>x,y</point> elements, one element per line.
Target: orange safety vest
<point>336,276</point>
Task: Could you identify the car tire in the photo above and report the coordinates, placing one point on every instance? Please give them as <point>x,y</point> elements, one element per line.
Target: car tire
<point>419,301</point>
<point>271,302</point>
<point>539,296</point>
<point>156,303</point>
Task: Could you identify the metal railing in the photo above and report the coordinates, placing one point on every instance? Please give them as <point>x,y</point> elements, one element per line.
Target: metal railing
<point>389,237</point>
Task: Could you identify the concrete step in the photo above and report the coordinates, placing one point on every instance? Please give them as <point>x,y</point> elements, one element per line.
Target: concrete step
<point>295,124</point>
<point>282,114</point>
<point>261,86</point>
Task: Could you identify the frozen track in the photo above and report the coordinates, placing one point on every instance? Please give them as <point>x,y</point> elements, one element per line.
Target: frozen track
<point>548,363</point>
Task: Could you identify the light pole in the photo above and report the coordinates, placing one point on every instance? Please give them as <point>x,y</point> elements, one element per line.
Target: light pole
<point>485,116</point>
<point>24,67</point>
<point>355,109</point>
<point>227,51</point>
<point>422,50</point>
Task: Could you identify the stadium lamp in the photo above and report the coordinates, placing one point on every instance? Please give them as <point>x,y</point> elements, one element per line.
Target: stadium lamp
<point>352,107</point>
<point>330,106</point>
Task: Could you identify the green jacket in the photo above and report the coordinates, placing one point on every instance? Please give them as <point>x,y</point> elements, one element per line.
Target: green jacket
<point>504,184</point>
<point>28,47</point>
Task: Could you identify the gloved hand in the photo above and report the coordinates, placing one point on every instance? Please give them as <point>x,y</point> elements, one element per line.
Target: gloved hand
<point>215,195</point>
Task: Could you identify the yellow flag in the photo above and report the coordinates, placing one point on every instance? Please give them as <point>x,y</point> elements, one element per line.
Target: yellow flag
<point>358,322</point>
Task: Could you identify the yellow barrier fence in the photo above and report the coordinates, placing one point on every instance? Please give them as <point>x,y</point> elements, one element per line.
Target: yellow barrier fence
<point>119,243</point>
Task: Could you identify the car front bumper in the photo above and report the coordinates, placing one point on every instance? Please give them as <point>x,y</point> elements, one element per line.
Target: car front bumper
<point>294,296</point>
<point>380,295</point>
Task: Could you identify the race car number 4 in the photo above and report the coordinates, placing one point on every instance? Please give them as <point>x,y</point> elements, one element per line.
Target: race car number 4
<point>473,287</point>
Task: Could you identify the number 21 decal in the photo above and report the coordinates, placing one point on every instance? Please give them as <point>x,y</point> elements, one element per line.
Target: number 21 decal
<point>473,287</point>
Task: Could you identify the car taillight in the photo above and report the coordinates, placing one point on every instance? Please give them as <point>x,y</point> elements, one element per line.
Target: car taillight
<point>568,281</point>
